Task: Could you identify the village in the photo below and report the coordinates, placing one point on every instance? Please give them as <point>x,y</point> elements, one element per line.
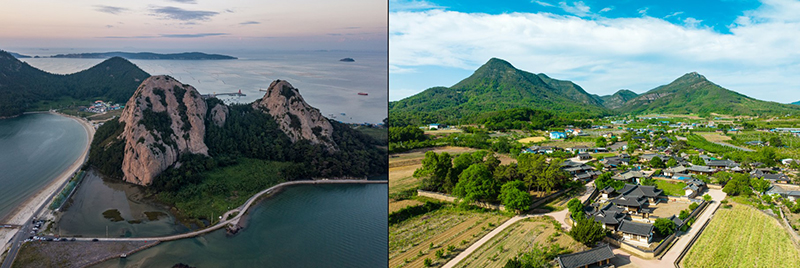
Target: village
<point>652,184</point>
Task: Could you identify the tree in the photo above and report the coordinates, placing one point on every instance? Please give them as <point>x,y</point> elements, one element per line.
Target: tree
<point>684,214</point>
<point>738,185</point>
<point>672,162</point>
<point>775,142</point>
<point>605,180</point>
<point>707,197</point>
<point>600,142</point>
<point>506,173</point>
<point>657,163</point>
<point>538,257</point>
<point>759,184</point>
<point>693,206</point>
<point>513,196</point>
<point>575,208</point>
<point>587,231</point>
<point>434,171</point>
<point>476,183</point>
<point>664,226</point>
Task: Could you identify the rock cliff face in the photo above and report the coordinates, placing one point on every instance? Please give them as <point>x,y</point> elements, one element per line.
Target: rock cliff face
<point>296,118</point>
<point>163,120</point>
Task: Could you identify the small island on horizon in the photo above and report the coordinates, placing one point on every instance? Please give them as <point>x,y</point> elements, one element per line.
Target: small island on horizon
<point>347,60</point>
<point>146,56</point>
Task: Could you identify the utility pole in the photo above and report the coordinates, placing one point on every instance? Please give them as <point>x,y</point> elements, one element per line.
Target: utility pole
<point>106,231</point>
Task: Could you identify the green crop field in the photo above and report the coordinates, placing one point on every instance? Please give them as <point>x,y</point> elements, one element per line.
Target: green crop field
<point>671,188</point>
<point>743,237</point>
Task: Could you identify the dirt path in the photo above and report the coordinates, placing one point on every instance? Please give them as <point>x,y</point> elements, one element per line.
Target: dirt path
<point>666,261</point>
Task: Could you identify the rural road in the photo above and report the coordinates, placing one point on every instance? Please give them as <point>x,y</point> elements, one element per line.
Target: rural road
<point>560,216</point>
<point>666,261</point>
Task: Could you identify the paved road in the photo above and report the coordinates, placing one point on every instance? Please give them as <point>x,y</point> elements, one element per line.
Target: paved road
<point>668,260</point>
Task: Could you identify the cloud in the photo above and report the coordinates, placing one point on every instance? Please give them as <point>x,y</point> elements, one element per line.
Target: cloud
<point>109,26</point>
<point>607,9</point>
<point>544,4</point>
<point>110,9</point>
<point>184,1</point>
<point>176,13</point>
<point>758,56</point>
<point>692,22</point>
<point>643,11</point>
<point>249,23</point>
<point>409,5</point>
<point>673,14</point>
<point>577,8</point>
<point>198,35</point>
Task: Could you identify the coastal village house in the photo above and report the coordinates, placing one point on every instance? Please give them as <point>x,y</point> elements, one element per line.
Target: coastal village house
<point>558,135</point>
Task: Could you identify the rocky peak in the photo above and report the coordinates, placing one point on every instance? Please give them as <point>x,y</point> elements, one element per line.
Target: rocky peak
<point>163,120</point>
<point>296,118</point>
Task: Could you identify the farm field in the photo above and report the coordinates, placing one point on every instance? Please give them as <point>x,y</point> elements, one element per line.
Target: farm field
<point>742,236</point>
<point>410,240</point>
<point>398,205</point>
<point>671,188</point>
<point>531,139</point>
<point>520,237</point>
<point>713,136</point>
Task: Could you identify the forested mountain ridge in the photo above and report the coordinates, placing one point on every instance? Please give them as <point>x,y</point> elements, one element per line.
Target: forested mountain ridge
<point>618,99</point>
<point>22,85</point>
<point>693,93</point>
<point>497,86</point>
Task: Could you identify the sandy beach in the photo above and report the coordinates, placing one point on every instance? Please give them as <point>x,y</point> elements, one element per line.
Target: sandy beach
<point>26,210</point>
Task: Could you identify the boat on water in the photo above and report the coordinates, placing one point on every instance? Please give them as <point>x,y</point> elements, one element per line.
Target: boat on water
<point>362,93</point>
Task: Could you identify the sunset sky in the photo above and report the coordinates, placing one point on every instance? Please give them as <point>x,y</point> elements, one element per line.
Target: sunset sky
<point>198,24</point>
<point>749,46</point>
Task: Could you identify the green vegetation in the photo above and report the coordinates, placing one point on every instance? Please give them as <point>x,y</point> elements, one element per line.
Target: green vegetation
<point>23,86</point>
<point>216,191</point>
<point>495,86</point>
<point>664,226</point>
<point>113,215</point>
<point>59,199</point>
<point>411,211</point>
<point>513,196</point>
<point>107,151</point>
<point>671,188</point>
<point>154,215</point>
<point>575,208</point>
<point>587,231</point>
<point>539,257</point>
<point>728,241</point>
<point>605,180</point>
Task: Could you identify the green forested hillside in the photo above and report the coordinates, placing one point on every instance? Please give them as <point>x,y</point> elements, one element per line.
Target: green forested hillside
<point>693,93</point>
<point>22,85</point>
<point>618,99</point>
<point>496,86</point>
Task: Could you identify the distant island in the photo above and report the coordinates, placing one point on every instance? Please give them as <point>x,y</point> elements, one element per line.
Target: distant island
<point>19,56</point>
<point>347,60</point>
<point>147,56</point>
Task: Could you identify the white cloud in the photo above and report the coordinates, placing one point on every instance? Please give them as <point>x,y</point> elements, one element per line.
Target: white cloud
<point>758,58</point>
<point>578,8</point>
<point>692,22</point>
<point>673,14</point>
<point>544,4</point>
<point>606,9</point>
<point>409,5</point>
<point>643,11</point>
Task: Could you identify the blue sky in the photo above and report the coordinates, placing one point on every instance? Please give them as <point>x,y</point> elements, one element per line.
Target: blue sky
<point>746,46</point>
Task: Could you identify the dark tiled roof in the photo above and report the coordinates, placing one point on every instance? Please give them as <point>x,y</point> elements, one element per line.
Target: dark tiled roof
<point>628,201</point>
<point>676,220</point>
<point>631,227</point>
<point>631,190</point>
<point>608,190</point>
<point>700,169</point>
<point>585,258</point>
<point>721,163</point>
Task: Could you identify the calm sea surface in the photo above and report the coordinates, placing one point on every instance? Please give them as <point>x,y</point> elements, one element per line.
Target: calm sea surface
<point>303,226</point>
<point>34,149</point>
<point>325,82</point>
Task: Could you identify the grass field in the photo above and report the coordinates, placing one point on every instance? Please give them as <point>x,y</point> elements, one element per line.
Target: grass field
<point>671,188</point>
<point>742,236</point>
<point>531,139</point>
<point>398,205</point>
<point>603,155</point>
<point>410,241</point>
<point>713,136</point>
<point>520,237</point>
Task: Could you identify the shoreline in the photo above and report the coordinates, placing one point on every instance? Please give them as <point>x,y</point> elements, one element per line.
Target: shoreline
<point>26,210</point>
